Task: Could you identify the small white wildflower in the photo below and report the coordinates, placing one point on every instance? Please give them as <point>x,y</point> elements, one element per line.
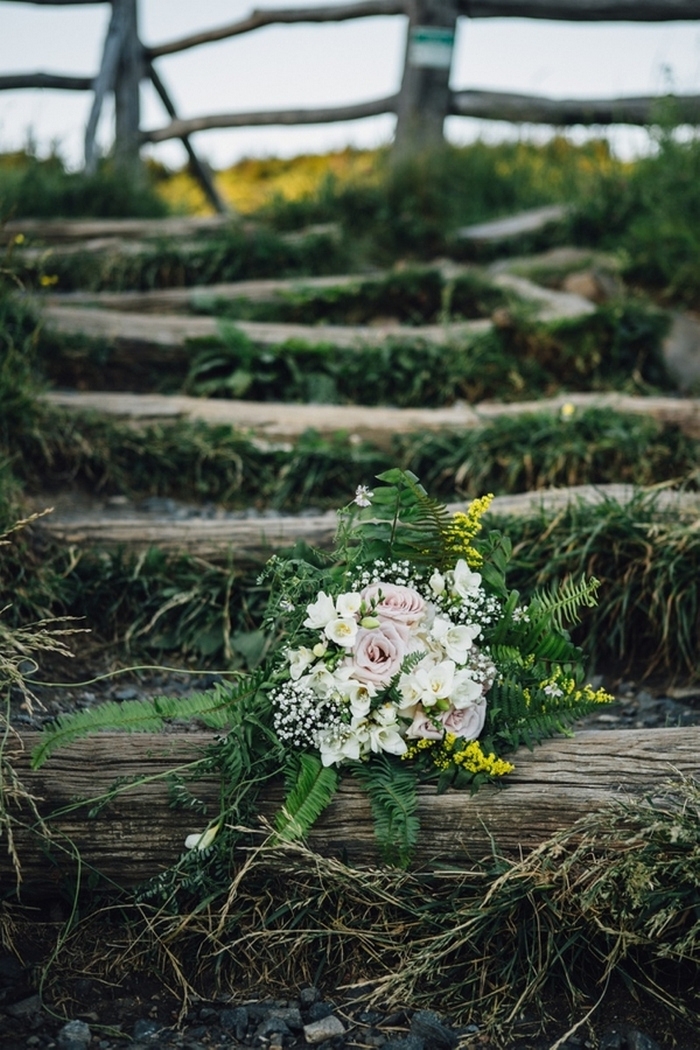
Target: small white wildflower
<point>202,840</point>
<point>363,496</point>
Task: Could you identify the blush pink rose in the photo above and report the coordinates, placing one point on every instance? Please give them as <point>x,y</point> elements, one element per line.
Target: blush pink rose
<point>395,602</point>
<point>466,722</point>
<point>379,652</point>
<point>423,727</point>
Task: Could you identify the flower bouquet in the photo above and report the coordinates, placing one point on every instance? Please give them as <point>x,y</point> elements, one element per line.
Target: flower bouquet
<point>400,658</point>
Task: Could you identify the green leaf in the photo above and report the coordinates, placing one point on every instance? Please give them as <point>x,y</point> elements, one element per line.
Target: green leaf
<point>313,788</point>
<point>392,797</point>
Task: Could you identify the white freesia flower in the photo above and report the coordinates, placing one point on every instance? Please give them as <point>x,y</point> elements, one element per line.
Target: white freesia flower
<point>319,680</point>
<point>437,583</point>
<point>341,744</point>
<point>358,694</point>
<point>433,682</point>
<point>348,604</point>
<point>320,611</point>
<point>342,631</point>
<point>456,639</point>
<point>202,840</point>
<point>299,660</point>
<point>465,691</point>
<point>463,582</point>
<point>385,733</point>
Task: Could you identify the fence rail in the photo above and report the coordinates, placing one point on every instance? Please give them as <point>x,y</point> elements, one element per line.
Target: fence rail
<point>421,105</point>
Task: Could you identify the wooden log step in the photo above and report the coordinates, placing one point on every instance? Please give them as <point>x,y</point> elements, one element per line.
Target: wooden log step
<point>549,304</point>
<point>254,539</point>
<point>277,421</point>
<point>198,297</point>
<point>162,334</point>
<point>137,834</point>
<point>71,231</point>
<point>534,220</point>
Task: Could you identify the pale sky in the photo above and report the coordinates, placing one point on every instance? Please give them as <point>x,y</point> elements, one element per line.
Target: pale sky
<point>279,67</point>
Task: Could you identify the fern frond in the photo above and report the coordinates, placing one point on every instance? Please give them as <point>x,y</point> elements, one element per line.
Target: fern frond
<point>313,787</point>
<point>393,800</point>
<point>135,716</point>
<point>561,603</point>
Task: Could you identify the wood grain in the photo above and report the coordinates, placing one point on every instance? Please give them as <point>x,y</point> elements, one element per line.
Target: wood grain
<point>138,835</point>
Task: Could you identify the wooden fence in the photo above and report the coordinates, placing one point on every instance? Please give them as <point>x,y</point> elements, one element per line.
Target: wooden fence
<point>421,105</point>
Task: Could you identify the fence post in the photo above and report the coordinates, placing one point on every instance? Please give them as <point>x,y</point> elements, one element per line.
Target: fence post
<point>424,101</point>
<point>130,71</point>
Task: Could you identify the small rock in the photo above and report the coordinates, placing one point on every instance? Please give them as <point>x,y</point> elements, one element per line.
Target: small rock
<point>235,1020</point>
<point>145,1029</point>
<point>309,996</point>
<point>409,1042</point>
<point>317,1011</point>
<point>271,1026</point>
<point>681,352</point>
<point>427,1026</point>
<point>27,1008</point>
<point>75,1035</point>
<point>325,1028</point>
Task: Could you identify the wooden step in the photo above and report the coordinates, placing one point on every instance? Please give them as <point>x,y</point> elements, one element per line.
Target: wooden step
<point>138,834</point>
<point>277,421</point>
<point>161,334</point>
<point>534,220</point>
<point>548,304</point>
<point>254,539</point>
<point>199,297</point>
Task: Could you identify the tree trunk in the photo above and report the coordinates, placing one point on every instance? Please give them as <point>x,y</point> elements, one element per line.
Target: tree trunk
<point>127,106</point>
<point>136,834</point>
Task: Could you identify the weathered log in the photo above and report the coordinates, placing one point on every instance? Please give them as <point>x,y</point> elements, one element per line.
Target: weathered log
<point>531,221</point>
<point>323,115</point>
<point>200,297</point>
<point>251,540</point>
<point>136,834</point>
<point>164,333</point>
<point>561,112</point>
<point>62,231</point>
<point>56,81</point>
<point>273,16</point>
<point>286,422</point>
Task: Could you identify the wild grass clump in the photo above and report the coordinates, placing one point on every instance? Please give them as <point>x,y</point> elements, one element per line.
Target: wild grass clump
<point>538,450</point>
<point>651,212</point>
<point>36,188</point>
<point>235,253</point>
<point>413,207</point>
<point>617,349</point>
<point>611,899</point>
<point>646,556</point>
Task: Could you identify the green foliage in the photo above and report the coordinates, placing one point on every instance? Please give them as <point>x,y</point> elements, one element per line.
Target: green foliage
<point>235,253</point>
<point>413,296</point>
<point>44,189</point>
<point>412,207</point>
<point>311,789</point>
<point>538,450</point>
<point>651,212</point>
<point>393,800</point>
<point>135,716</point>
